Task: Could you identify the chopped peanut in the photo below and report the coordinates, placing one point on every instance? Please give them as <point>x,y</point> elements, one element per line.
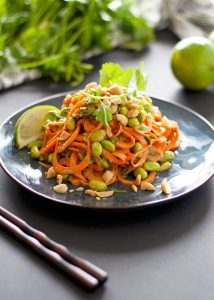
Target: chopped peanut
<point>147,186</point>
<point>106,102</point>
<point>104,194</point>
<point>80,189</point>
<point>122,119</point>
<point>71,191</point>
<point>91,85</point>
<point>51,173</point>
<point>64,136</point>
<point>134,188</point>
<point>138,179</point>
<point>133,113</point>
<point>116,101</point>
<point>60,188</point>
<point>165,187</point>
<point>115,90</point>
<point>114,108</point>
<point>132,105</point>
<point>107,176</point>
<point>98,198</point>
<point>109,132</point>
<point>59,178</point>
<point>91,193</point>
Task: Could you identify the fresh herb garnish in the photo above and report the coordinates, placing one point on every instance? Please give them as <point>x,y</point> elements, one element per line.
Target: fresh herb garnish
<point>103,114</point>
<point>114,73</point>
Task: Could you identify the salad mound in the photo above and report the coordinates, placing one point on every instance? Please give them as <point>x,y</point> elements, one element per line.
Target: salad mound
<point>105,133</point>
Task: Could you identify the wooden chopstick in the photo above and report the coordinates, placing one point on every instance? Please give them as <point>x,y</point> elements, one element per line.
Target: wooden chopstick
<point>82,271</point>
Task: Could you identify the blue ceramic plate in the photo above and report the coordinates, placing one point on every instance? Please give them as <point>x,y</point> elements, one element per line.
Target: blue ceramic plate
<point>192,167</point>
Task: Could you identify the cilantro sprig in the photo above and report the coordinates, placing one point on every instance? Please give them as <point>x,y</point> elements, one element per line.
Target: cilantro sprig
<point>132,80</point>
<point>114,73</point>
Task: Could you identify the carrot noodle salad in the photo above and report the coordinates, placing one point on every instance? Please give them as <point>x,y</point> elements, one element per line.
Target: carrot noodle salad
<point>106,133</point>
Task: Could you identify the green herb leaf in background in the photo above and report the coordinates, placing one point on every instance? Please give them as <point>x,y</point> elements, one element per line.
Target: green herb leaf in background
<point>55,36</point>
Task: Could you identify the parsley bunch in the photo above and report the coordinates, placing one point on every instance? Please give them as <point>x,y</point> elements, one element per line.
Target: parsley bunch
<point>55,35</point>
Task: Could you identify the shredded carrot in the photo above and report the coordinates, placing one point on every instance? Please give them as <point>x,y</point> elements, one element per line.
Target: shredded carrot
<point>74,155</point>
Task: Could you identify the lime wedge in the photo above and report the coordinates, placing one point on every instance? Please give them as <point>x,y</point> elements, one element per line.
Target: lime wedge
<point>29,126</point>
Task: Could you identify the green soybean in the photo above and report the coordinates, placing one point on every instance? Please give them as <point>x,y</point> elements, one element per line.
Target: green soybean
<point>151,166</point>
<point>133,122</point>
<point>137,147</point>
<point>97,185</point>
<point>168,155</point>
<point>108,145</point>
<point>90,109</point>
<point>51,116</point>
<point>34,152</point>
<point>98,91</point>
<point>96,149</point>
<point>50,157</point>
<point>123,100</point>
<point>147,107</point>
<point>71,124</point>
<point>98,136</point>
<point>142,115</point>
<point>165,166</point>
<point>37,143</point>
<point>105,163</point>
<point>142,172</point>
<point>64,111</point>
<point>123,110</point>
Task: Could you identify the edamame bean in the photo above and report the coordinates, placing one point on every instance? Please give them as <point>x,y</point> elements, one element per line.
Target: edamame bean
<point>143,128</point>
<point>34,143</point>
<point>142,115</point>
<point>168,155</point>
<point>165,166</point>
<point>64,111</point>
<point>51,116</point>
<point>147,107</point>
<point>142,172</point>
<point>34,152</point>
<point>96,149</point>
<point>133,122</point>
<point>98,91</point>
<point>98,136</point>
<point>151,166</point>
<point>71,124</point>
<point>90,109</point>
<point>105,163</point>
<point>50,157</point>
<point>97,185</point>
<point>123,110</point>
<point>137,147</point>
<point>108,145</point>
<point>123,100</point>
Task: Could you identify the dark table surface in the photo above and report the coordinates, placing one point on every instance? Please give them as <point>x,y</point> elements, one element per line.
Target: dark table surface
<point>160,253</point>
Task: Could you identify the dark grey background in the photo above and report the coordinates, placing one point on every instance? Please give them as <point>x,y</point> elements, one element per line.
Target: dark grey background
<point>163,253</point>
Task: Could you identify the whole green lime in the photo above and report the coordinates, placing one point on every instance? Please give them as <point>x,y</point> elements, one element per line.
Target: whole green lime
<point>192,62</point>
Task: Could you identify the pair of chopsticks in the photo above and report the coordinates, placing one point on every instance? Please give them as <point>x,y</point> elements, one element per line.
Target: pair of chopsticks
<point>80,270</point>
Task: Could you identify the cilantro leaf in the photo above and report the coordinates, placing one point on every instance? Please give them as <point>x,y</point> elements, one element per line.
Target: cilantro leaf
<point>141,78</point>
<point>114,73</point>
<point>103,114</point>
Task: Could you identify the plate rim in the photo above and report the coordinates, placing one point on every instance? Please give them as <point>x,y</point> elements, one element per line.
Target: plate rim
<point>100,208</point>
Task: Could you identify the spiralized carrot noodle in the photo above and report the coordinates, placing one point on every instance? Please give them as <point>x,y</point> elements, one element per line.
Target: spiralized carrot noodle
<point>91,152</point>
